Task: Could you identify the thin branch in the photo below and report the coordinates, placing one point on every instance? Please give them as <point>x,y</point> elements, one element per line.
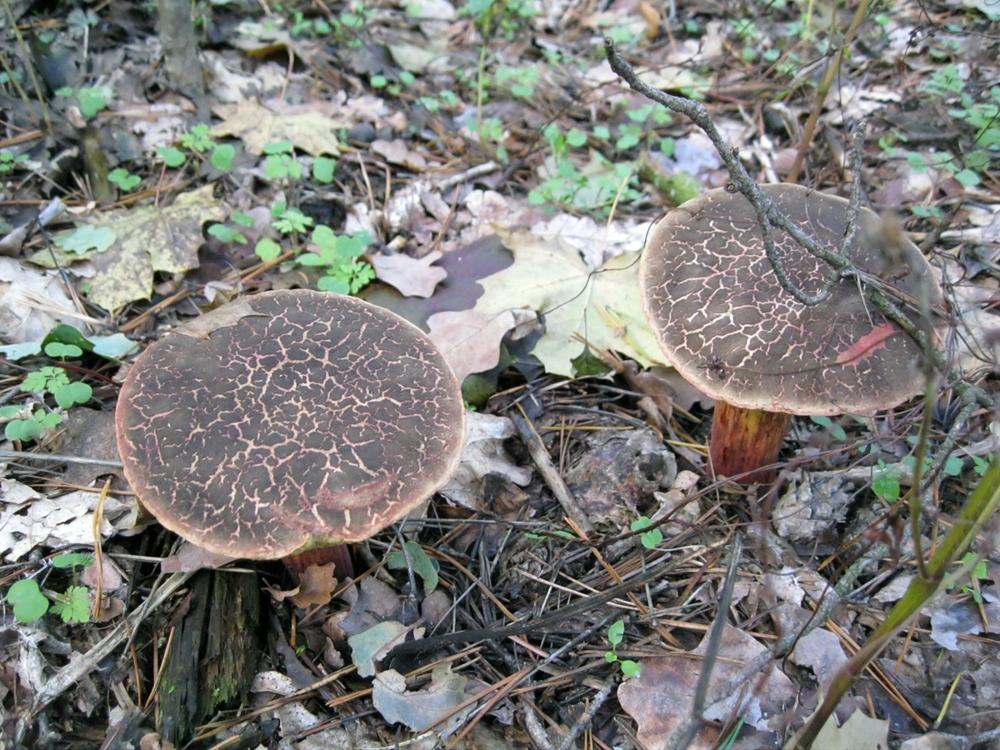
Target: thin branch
<point>683,737</point>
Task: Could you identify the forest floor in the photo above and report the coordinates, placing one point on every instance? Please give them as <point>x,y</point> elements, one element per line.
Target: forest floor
<point>481,171</point>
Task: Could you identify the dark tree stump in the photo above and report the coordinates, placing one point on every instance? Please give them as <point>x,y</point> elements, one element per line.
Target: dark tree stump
<point>214,654</point>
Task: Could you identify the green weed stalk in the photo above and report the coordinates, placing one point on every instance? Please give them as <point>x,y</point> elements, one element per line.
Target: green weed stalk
<point>922,589</point>
<point>831,72</point>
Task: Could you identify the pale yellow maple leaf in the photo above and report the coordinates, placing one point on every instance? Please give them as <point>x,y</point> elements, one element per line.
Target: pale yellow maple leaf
<point>603,308</point>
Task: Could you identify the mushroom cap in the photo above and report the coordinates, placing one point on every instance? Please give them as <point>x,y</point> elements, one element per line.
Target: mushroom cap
<point>721,317</point>
<point>289,420</point>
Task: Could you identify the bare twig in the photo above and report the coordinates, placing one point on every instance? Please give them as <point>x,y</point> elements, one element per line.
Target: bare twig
<point>767,213</point>
<point>587,716</point>
<point>824,88</point>
<point>689,728</point>
<point>549,472</point>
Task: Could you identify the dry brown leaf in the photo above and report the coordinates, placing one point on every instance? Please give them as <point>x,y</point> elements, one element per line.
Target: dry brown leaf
<point>661,697</point>
<point>259,124</point>
<point>413,277</point>
<point>316,586</point>
<point>191,557</point>
<point>421,709</point>
<point>396,152</point>
<point>470,340</point>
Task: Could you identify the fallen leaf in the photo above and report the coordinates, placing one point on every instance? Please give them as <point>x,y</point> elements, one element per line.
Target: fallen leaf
<point>316,586</point>
<point>661,697</point>
<point>602,307</point>
<point>260,124</point>
<point>459,291</point>
<point>30,520</point>
<point>376,602</point>
<point>858,733</point>
<point>191,557</point>
<point>421,709</point>
<point>820,651</point>
<point>89,433</point>
<point>367,646</point>
<point>812,506</point>
<point>413,277</point>
<point>150,239</point>
<point>952,618</point>
<point>470,340</point>
<point>221,317</point>
<point>935,740</point>
<point>32,302</point>
<point>428,55</point>
<point>397,152</point>
<point>596,243</point>
<point>484,454</point>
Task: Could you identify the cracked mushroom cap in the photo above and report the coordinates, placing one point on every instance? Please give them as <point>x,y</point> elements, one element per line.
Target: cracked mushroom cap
<point>286,421</point>
<point>720,315</point>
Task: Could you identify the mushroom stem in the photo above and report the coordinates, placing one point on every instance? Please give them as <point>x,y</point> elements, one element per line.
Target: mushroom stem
<point>743,440</point>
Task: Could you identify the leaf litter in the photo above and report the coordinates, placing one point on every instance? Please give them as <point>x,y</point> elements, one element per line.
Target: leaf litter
<point>529,293</point>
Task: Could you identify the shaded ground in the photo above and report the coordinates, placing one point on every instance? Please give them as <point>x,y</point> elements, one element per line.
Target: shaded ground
<point>481,162</point>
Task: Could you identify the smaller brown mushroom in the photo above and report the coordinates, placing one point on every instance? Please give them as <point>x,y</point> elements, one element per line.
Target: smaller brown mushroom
<point>724,321</point>
<point>289,421</point>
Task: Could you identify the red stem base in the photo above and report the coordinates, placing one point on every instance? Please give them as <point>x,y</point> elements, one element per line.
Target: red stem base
<point>744,440</point>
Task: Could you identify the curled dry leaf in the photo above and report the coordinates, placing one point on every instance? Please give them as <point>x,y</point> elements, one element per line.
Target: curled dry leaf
<point>484,454</point>
<point>396,152</point>
<point>316,586</point>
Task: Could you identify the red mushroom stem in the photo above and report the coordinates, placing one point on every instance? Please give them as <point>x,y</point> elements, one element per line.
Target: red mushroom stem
<point>744,440</point>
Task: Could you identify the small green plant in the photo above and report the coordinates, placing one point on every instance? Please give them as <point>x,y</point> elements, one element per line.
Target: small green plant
<point>977,573</point>
<point>616,633</point>
<point>302,26</point>
<point>79,22</point>
<point>393,88</point>
<point>281,163</point>
<point>345,26</point>
<point>28,420</point>
<point>72,605</point>
<point>980,465</point>
<point>340,256</point>
<point>521,81</point>
<point>650,539</point>
<point>227,233</point>
<point>289,220</point>
<point>886,482</point>
<point>504,17</point>
<point>92,100</point>
<point>323,168</point>
<point>198,141</point>
<point>124,179</point>
<point>55,381</point>
<point>491,131</point>
<point>27,599</point>
<point>9,162</point>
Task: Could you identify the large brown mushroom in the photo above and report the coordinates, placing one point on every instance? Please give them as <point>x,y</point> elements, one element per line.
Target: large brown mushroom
<point>724,321</point>
<point>288,421</point>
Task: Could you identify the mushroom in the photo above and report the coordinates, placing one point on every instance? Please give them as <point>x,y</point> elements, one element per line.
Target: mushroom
<point>288,421</point>
<point>724,321</point>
